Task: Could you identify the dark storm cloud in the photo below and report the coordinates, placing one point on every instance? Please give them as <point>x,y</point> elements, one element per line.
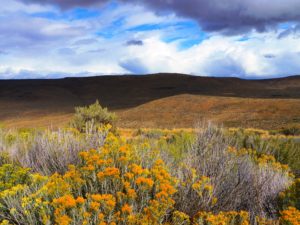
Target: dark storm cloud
<point>227,16</point>
<point>233,16</point>
<point>135,43</point>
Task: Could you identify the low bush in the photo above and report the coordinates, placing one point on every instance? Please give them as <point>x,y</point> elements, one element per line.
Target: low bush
<point>239,179</point>
<point>92,116</point>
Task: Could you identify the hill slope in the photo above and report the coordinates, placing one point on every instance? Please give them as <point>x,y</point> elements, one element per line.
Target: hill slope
<point>161,100</point>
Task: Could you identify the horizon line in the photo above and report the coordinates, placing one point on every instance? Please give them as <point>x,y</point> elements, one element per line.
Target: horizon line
<point>272,77</point>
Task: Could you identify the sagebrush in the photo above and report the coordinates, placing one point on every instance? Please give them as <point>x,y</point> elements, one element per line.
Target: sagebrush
<point>204,177</point>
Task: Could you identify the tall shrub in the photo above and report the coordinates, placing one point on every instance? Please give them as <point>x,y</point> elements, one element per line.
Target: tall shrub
<point>93,114</point>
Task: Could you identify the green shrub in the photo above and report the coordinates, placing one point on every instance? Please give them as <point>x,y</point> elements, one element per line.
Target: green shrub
<point>176,144</point>
<point>291,196</point>
<point>92,115</point>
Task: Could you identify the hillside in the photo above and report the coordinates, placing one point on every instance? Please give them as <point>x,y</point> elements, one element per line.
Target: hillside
<point>161,100</point>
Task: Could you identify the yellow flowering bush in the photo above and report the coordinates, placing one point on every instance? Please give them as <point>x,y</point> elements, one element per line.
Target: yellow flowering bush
<point>290,216</point>
<point>202,186</point>
<point>199,189</point>
<point>108,186</point>
<point>11,175</point>
<point>14,203</point>
<point>222,218</point>
<point>180,218</point>
<point>265,221</point>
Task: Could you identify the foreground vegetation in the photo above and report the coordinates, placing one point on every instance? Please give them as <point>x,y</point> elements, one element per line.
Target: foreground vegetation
<point>99,175</point>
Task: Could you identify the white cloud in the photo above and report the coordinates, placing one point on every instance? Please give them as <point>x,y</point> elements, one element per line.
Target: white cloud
<point>224,56</point>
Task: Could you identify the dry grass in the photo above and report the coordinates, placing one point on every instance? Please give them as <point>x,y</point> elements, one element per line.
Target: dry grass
<point>184,110</point>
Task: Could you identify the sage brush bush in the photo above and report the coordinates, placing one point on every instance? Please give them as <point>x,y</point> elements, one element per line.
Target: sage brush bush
<point>47,152</point>
<point>94,115</point>
<point>228,178</point>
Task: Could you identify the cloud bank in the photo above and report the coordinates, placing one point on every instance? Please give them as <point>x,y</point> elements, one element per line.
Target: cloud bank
<point>227,16</point>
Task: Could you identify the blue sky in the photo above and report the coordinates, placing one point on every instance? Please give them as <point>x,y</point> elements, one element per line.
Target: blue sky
<point>242,38</point>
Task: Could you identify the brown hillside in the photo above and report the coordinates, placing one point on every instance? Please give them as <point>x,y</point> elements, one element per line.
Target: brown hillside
<point>162,100</point>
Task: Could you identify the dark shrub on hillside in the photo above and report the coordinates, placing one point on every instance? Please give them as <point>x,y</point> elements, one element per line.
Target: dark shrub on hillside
<point>291,131</point>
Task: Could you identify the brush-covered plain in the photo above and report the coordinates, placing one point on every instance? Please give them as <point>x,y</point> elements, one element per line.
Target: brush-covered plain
<point>92,172</point>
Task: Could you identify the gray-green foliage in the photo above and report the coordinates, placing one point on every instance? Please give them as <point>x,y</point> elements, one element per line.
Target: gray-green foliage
<point>239,182</point>
<point>93,114</point>
<point>286,150</point>
<point>48,151</point>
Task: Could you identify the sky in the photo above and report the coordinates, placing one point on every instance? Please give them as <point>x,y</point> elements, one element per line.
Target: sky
<point>236,38</point>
